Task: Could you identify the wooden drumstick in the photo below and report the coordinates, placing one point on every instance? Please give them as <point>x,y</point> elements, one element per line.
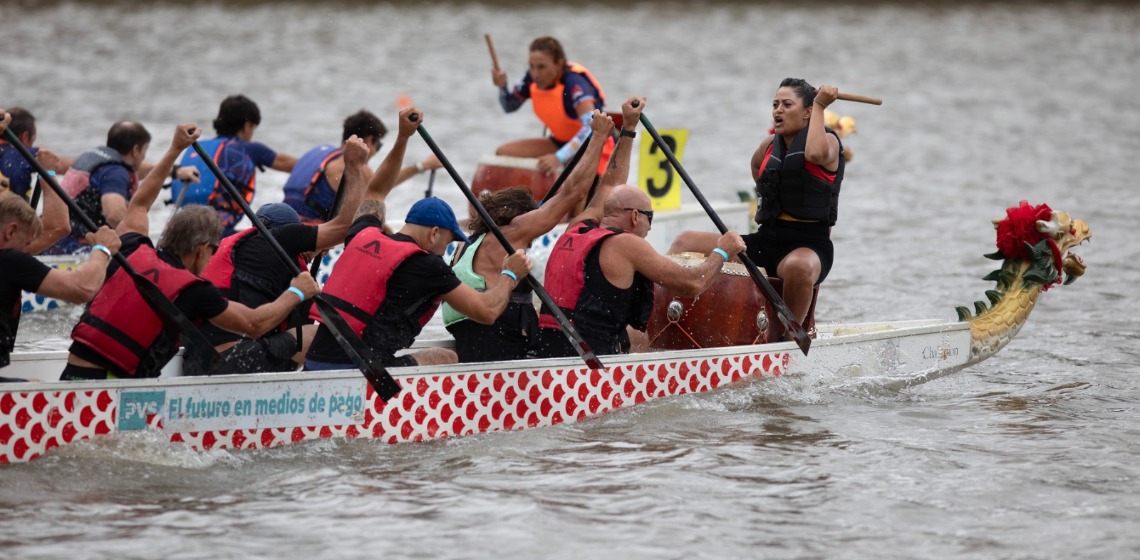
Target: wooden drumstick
<point>852,97</point>
<point>491,49</point>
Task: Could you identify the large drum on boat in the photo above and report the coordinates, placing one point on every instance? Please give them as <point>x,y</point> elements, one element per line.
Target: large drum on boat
<point>732,312</point>
<point>496,173</point>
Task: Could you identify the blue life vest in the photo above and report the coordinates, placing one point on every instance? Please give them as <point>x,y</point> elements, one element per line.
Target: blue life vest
<point>232,161</point>
<point>307,190</point>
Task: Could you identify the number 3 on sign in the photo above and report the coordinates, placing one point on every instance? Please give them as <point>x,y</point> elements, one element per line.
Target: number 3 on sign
<point>656,175</point>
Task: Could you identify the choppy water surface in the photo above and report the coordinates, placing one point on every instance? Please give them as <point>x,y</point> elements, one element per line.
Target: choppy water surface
<point>1033,454</point>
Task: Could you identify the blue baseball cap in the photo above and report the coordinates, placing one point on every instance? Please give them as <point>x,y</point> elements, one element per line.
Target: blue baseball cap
<point>435,212</point>
<point>277,214</point>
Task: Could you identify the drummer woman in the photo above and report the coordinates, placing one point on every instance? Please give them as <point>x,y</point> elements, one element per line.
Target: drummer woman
<point>798,172</point>
<point>564,95</point>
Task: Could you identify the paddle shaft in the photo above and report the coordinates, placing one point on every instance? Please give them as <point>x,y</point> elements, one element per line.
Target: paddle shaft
<point>162,306</point>
<point>568,329</point>
<point>35,201</point>
<point>566,171</point>
<point>859,98</point>
<point>338,201</point>
<point>491,49</point>
<point>787,318</point>
<point>361,355</point>
<point>431,183</point>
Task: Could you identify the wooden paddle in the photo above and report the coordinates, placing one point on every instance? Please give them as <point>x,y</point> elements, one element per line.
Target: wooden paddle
<point>491,49</point>
<point>787,318</point>
<point>198,348</point>
<point>568,329</point>
<point>859,98</point>
<point>377,376</point>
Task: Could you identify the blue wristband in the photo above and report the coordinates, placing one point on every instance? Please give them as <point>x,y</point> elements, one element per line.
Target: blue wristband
<point>297,291</point>
<point>102,248</point>
<point>51,172</point>
<point>511,274</point>
<point>721,252</point>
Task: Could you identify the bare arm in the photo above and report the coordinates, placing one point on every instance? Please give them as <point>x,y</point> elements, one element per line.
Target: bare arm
<point>136,218</point>
<point>254,322</point>
<point>387,176</point>
<point>758,156</point>
<point>525,228</point>
<point>81,284</point>
<point>822,148</point>
<point>77,285</point>
<point>485,307</point>
<point>617,172</point>
<point>114,208</point>
<point>332,233</point>
<point>283,162</point>
<point>641,257</point>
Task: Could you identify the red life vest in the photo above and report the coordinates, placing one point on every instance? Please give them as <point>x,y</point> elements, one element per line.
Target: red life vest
<point>122,327</point>
<point>566,269</point>
<point>220,271</point>
<point>358,285</point>
<point>550,109</point>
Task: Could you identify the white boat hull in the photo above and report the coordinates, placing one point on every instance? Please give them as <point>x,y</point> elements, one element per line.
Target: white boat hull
<point>268,410</point>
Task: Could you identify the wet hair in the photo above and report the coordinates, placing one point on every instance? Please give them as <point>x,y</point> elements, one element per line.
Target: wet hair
<point>13,208</point>
<point>23,121</point>
<point>803,89</point>
<point>189,228</point>
<point>550,46</point>
<point>236,110</point>
<point>125,135</point>
<point>363,124</point>
<point>503,206</point>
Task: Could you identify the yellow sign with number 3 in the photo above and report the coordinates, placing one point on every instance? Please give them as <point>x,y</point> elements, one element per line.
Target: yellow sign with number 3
<point>655,175</point>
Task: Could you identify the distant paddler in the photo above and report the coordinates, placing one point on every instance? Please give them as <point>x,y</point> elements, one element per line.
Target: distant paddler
<point>23,234</point>
<point>564,95</point>
<point>237,155</point>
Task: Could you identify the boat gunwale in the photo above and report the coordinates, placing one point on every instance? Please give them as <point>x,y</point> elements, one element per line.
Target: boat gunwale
<point>894,329</point>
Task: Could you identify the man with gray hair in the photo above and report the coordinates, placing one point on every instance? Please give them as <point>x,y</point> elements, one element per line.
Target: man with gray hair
<point>120,336</point>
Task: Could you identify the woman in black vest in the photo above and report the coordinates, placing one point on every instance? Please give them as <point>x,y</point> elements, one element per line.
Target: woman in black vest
<point>798,171</point>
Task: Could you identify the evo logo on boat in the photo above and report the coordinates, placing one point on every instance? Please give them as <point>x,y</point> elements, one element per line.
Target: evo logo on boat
<point>135,407</point>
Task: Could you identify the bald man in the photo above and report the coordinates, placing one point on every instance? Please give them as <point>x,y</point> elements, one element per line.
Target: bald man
<point>602,270</point>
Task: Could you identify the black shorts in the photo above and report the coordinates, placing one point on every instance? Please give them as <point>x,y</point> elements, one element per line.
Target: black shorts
<point>270,353</point>
<point>776,239</point>
<point>513,336</point>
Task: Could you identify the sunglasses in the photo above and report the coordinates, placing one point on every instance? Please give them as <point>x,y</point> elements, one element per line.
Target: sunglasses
<point>647,213</point>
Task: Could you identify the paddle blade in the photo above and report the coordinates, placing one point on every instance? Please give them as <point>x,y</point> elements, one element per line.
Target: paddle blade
<point>797,333</point>
<point>588,356</point>
<point>377,376</point>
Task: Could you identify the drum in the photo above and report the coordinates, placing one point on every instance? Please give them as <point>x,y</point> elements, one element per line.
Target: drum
<point>732,312</point>
<point>496,173</point>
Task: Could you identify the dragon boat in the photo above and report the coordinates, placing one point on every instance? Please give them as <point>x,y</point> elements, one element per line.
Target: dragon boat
<point>258,411</point>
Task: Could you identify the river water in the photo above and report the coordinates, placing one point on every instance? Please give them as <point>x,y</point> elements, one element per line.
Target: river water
<point>1032,454</point>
